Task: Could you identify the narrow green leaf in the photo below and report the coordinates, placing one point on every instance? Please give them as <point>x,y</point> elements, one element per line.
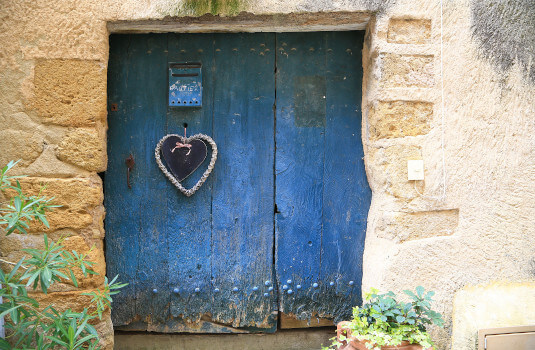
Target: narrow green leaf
<point>73,278</point>
<point>18,203</point>
<point>85,339</point>
<point>58,341</point>
<point>15,268</point>
<point>4,313</point>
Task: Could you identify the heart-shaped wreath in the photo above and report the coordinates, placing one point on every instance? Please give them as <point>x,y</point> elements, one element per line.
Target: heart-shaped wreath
<point>183,156</point>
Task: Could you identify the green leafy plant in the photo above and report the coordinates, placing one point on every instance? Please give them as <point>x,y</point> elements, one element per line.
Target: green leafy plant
<point>28,324</point>
<point>383,320</point>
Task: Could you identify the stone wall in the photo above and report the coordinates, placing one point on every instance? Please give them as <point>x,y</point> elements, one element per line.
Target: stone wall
<point>435,88</point>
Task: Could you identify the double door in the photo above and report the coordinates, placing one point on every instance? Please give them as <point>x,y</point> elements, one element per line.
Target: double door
<point>279,225</point>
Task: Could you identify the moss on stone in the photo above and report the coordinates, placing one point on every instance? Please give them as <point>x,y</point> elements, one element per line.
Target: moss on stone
<point>214,7</point>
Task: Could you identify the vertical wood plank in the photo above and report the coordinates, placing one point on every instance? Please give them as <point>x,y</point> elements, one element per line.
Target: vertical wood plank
<point>148,92</point>
<point>189,218</point>
<point>133,238</point>
<point>300,122</point>
<point>346,195</point>
<point>121,226</point>
<point>244,93</point>
<point>322,192</point>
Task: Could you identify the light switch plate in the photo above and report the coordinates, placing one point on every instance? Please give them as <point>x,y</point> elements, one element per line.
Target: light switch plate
<point>415,169</point>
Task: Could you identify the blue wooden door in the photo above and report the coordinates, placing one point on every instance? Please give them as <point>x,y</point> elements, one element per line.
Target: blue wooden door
<point>283,215</point>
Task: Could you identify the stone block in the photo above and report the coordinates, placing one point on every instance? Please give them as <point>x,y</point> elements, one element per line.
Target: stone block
<point>61,301</point>
<point>105,331</point>
<point>490,306</point>
<point>11,250</point>
<point>391,119</point>
<point>18,144</point>
<point>78,197</point>
<point>76,301</point>
<point>392,170</point>
<point>70,92</point>
<point>406,70</point>
<point>11,246</point>
<point>85,148</point>
<point>94,254</point>
<point>403,227</point>
<point>409,31</point>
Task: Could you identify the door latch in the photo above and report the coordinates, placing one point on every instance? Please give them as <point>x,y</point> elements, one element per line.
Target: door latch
<point>129,166</point>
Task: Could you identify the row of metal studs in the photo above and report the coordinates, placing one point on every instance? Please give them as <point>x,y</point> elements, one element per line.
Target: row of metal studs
<point>267,283</point>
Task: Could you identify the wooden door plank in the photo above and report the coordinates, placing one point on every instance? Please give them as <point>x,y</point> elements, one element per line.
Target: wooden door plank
<point>242,213</point>
<point>322,192</point>
<point>148,93</point>
<point>346,194</point>
<point>300,123</point>
<point>133,235</point>
<point>121,234</point>
<point>189,218</point>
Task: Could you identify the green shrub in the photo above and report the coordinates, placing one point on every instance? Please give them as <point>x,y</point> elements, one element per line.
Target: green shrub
<point>28,324</point>
<point>383,320</point>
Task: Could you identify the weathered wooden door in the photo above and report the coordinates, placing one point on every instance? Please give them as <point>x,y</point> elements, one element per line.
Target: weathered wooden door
<point>280,223</point>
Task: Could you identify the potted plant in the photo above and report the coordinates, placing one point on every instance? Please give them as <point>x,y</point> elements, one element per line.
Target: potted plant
<point>383,322</point>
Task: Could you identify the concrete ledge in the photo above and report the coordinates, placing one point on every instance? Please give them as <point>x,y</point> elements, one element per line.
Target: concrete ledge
<point>281,340</point>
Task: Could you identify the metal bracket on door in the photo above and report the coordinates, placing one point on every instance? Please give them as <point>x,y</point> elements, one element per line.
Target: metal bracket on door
<point>129,166</point>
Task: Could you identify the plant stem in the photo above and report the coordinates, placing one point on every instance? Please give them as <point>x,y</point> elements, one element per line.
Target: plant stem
<point>12,263</point>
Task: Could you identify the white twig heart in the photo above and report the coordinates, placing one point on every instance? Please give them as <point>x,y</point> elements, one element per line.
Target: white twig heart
<point>174,181</point>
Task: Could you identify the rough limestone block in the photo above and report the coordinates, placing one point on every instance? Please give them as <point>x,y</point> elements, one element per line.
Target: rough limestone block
<point>409,31</point>
<point>391,119</point>
<point>70,92</point>
<point>17,144</point>
<point>78,198</point>
<point>403,227</point>
<point>105,331</point>
<point>76,301</point>
<point>85,148</point>
<point>392,170</point>
<point>406,70</point>
<point>11,249</point>
<point>95,254</point>
<point>490,306</point>
<point>11,246</point>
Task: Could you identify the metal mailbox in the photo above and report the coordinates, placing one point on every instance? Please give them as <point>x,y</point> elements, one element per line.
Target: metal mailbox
<point>507,338</point>
<point>185,84</point>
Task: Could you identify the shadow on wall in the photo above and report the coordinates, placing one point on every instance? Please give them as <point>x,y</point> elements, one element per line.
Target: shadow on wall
<point>505,31</point>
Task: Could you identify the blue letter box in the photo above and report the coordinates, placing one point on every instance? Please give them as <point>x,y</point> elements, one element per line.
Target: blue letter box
<point>185,85</point>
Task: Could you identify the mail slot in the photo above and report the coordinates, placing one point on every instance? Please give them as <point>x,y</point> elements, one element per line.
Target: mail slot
<point>507,338</point>
<point>185,84</point>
